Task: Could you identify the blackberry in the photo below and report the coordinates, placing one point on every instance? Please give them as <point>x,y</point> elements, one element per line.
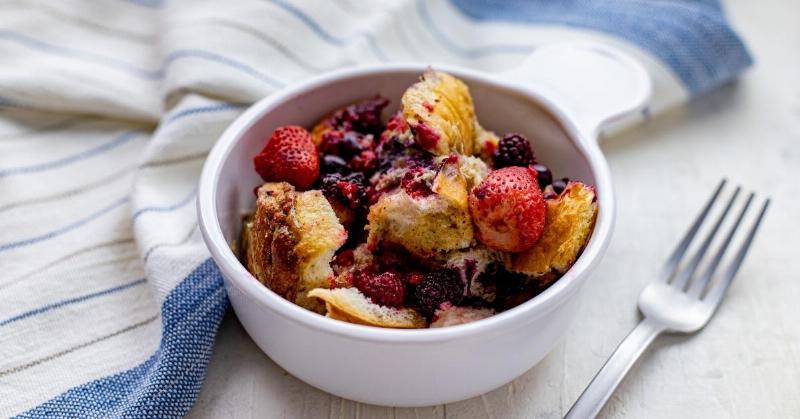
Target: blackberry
<point>366,115</point>
<point>349,189</point>
<point>356,177</point>
<point>386,289</point>
<point>353,143</point>
<point>328,184</point>
<point>560,184</point>
<point>440,286</point>
<point>476,302</point>
<point>333,164</point>
<point>543,175</point>
<point>513,289</point>
<point>388,152</point>
<point>513,150</point>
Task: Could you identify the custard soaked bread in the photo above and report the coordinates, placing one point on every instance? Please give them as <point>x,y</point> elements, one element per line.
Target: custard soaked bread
<point>429,215</point>
<point>291,240</point>
<point>440,112</point>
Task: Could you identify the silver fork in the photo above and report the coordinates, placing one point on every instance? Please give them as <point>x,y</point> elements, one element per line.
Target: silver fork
<point>676,301</point>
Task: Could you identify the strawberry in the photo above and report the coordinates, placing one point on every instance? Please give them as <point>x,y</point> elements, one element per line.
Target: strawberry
<point>289,156</point>
<point>508,209</point>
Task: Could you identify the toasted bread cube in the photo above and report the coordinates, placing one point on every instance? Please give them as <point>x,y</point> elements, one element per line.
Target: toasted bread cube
<point>439,110</point>
<point>290,242</point>
<point>319,234</point>
<point>568,226</point>
<point>425,225</point>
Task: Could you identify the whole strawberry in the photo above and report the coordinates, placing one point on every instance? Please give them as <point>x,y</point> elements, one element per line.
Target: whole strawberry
<point>289,156</point>
<point>508,209</point>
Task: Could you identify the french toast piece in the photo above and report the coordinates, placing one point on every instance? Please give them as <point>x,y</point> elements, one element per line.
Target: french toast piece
<point>350,305</point>
<point>568,225</point>
<point>319,234</point>
<point>429,224</point>
<point>290,242</point>
<point>273,202</point>
<point>440,111</point>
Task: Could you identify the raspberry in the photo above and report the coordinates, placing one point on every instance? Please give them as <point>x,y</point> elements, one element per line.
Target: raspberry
<point>394,127</point>
<point>426,136</point>
<point>364,161</point>
<point>345,258</point>
<point>414,185</point>
<point>513,150</point>
<point>440,286</point>
<point>386,288</point>
<point>508,209</point>
<point>414,278</point>
<point>289,156</point>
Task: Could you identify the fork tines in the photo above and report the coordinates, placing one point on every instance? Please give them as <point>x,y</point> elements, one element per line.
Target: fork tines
<point>685,278</point>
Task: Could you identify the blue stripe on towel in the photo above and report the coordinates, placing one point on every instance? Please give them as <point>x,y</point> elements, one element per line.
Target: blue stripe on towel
<point>167,208</point>
<point>29,42</point>
<point>692,38</point>
<point>62,230</point>
<point>131,69</point>
<point>217,58</point>
<point>152,4</point>
<point>436,29</point>
<point>167,384</point>
<point>202,109</point>
<point>74,300</point>
<point>327,36</point>
<point>64,161</point>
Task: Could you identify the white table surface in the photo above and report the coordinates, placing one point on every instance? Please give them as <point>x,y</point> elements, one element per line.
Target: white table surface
<point>745,364</point>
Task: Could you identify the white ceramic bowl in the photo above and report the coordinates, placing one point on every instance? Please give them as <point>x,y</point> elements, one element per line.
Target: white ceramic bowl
<point>559,98</point>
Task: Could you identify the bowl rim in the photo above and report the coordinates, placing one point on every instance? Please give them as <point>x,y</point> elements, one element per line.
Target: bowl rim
<point>236,275</point>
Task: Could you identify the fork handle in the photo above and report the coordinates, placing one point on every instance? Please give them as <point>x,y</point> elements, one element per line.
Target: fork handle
<point>608,378</point>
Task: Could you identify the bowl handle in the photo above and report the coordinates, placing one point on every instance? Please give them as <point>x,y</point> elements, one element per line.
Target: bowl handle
<point>592,83</point>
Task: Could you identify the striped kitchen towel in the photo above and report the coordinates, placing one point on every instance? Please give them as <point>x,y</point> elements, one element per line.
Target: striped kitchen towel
<point>109,303</point>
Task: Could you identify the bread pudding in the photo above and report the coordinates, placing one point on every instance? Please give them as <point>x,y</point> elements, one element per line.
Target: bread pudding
<point>422,219</point>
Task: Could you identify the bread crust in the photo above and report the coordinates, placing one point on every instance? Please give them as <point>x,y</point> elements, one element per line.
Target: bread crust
<point>441,104</point>
<point>350,305</point>
<point>568,225</point>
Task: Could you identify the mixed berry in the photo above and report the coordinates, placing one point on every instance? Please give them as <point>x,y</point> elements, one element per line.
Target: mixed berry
<point>513,150</point>
<point>390,186</point>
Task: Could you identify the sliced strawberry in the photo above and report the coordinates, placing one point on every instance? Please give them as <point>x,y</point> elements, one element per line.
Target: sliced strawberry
<point>508,209</point>
<point>289,156</point>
